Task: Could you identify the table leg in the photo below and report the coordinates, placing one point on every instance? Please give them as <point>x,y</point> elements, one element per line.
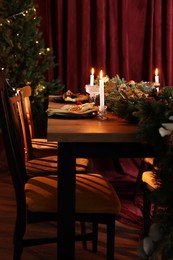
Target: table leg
<point>66,202</point>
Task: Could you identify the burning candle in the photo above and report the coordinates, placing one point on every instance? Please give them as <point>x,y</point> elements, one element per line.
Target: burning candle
<point>101,86</point>
<point>156,76</point>
<point>92,77</point>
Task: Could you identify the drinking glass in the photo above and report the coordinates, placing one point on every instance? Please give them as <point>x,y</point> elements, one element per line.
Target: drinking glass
<point>93,91</point>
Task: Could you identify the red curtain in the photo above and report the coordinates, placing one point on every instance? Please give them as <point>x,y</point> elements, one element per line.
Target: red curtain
<point>126,37</point>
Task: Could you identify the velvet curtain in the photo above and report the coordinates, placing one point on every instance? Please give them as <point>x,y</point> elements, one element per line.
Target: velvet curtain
<point>126,37</point>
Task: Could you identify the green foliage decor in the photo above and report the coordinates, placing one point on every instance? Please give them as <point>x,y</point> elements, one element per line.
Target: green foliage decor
<point>24,59</point>
<point>152,111</point>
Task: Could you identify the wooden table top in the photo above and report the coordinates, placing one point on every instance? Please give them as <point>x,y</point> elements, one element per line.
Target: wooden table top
<point>114,129</point>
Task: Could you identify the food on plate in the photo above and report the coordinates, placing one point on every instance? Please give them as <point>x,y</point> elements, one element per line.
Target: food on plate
<point>79,108</point>
<point>72,97</point>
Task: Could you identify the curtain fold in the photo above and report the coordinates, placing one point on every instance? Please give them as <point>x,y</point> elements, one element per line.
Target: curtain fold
<point>126,37</point>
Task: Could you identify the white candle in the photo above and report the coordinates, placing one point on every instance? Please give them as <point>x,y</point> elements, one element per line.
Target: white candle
<point>92,77</point>
<point>102,97</point>
<point>156,76</point>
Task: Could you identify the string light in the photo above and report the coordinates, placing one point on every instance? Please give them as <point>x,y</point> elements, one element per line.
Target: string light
<point>24,13</point>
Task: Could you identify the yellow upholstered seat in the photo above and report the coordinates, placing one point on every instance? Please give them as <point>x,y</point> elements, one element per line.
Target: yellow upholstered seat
<point>148,178</point>
<point>93,194</point>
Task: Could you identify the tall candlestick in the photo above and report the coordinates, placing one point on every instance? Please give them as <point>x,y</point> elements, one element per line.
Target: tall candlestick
<point>102,97</point>
<point>92,77</point>
<point>156,76</point>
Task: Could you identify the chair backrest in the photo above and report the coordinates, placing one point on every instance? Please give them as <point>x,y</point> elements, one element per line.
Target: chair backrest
<point>27,91</point>
<point>25,125</point>
<point>13,143</point>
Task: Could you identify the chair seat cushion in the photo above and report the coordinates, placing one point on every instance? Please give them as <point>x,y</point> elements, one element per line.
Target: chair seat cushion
<point>94,194</point>
<point>148,178</point>
<point>48,165</point>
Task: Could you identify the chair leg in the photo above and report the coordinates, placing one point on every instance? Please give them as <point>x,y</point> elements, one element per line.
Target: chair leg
<point>95,237</point>
<point>146,211</point>
<point>17,252</point>
<point>83,232</point>
<point>20,228</point>
<point>18,245</point>
<point>110,240</point>
<point>142,168</point>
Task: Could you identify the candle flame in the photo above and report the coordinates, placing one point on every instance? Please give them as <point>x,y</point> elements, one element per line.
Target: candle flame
<point>101,74</point>
<point>156,72</point>
<point>92,71</point>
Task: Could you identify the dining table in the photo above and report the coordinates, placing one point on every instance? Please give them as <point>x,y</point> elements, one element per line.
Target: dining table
<point>87,137</point>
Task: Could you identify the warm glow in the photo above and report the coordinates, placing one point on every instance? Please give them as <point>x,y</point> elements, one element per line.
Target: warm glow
<point>101,74</point>
<point>92,71</point>
<point>156,72</point>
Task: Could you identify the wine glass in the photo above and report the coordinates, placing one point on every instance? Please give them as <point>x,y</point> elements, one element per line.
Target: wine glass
<point>93,91</point>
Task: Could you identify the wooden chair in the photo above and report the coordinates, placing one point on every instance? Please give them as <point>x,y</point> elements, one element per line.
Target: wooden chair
<point>36,197</point>
<point>41,161</point>
<point>45,157</point>
<point>40,166</point>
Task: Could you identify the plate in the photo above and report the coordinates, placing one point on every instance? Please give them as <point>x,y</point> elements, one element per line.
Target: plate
<point>73,115</point>
<point>86,110</point>
<point>81,98</point>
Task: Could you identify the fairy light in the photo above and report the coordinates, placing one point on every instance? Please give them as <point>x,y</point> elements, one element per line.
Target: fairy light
<point>28,83</point>
<point>24,13</point>
<point>41,52</point>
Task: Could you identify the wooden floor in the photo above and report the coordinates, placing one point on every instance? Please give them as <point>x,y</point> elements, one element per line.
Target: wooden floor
<point>126,239</point>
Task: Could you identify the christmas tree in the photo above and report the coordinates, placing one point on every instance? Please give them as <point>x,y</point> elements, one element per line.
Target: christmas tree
<point>24,58</point>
